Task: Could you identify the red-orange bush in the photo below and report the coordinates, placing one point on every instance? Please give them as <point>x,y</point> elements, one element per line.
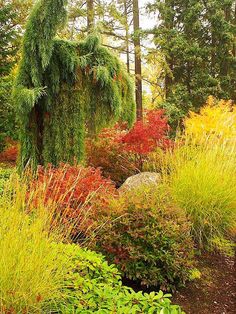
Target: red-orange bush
<point>107,153</point>
<point>72,190</point>
<point>121,152</point>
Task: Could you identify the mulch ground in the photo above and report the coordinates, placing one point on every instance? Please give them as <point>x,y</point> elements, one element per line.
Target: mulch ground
<point>214,292</point>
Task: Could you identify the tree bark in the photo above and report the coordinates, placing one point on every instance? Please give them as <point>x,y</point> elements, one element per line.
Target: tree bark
<point>127,36</point>
<point>137,61</point>
<point>169,24</point>
<point>90,15</point>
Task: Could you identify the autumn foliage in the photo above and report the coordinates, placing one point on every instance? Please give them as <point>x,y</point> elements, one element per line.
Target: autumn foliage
<point>216,121</point>
<point>72,189</point>
<point>107,153</point>
<point>147,135</point>
<point>121,152</point>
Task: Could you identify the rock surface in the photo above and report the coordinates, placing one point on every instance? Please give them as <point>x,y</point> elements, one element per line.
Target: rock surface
<point>150,179</point>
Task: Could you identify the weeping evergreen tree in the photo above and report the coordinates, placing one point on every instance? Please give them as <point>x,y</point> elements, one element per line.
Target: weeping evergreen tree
<point>65,90</point>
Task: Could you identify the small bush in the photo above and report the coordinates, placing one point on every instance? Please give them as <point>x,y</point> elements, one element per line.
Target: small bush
<point>147,135</point>
<point>148,238</point>
<point>10,152</point>
<point>121,152</point>
<point>92,286</point>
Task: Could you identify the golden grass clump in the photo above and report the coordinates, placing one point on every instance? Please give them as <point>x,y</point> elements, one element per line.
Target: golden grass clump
<point>31,275</point>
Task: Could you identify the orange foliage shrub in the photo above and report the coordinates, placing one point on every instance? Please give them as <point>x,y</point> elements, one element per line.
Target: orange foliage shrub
<point>72,190</point>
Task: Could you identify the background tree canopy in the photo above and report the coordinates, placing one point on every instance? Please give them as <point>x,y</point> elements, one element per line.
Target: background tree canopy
<point>186,49</point>
<point>197,40</point>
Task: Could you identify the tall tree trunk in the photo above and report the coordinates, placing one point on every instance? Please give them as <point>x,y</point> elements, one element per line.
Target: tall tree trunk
<point>90,15</point>
<point>169,24</point>
<point>224,66</point>
<point>137,61</point>
<point>127,35</point>
<point>234,23</point>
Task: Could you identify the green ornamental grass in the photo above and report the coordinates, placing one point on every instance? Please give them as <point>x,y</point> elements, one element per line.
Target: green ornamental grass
<point>203,183</point>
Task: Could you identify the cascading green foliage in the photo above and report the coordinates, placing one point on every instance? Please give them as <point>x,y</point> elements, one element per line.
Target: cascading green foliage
<point>65,89</point>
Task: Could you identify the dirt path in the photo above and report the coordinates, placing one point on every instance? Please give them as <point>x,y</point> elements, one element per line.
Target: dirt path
<point>215,292</point>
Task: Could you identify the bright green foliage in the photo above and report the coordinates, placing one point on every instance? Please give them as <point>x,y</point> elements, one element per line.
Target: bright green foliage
<point>197,40</point>
<point>64,89</point>
<point>8,51</point>
<point>203,183</point>
<point>92,286</point>
<point>148,238</point>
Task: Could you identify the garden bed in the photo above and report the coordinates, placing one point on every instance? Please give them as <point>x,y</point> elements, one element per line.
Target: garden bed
<point>214,292</point>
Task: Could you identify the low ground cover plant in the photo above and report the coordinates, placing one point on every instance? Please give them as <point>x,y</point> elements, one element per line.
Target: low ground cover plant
<point>148,238</point>
<point>93,286</point>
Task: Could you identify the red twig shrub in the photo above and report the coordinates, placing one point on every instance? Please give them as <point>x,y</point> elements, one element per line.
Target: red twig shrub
<point>73,190</point>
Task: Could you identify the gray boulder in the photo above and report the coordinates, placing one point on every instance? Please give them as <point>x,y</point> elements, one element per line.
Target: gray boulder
<point>149,179</point>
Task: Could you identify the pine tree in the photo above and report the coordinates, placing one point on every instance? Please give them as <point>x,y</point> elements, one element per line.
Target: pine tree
<point>197,40</point>
<point>65,89</point>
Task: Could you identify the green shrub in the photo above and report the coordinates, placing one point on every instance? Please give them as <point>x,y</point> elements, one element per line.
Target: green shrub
<point>148,238</point>
<point>8,123</point>
<point>92,286</point>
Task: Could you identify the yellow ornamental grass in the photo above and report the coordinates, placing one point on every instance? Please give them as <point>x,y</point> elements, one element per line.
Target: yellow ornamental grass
<point>216,121</point>
<point>31,274</point>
